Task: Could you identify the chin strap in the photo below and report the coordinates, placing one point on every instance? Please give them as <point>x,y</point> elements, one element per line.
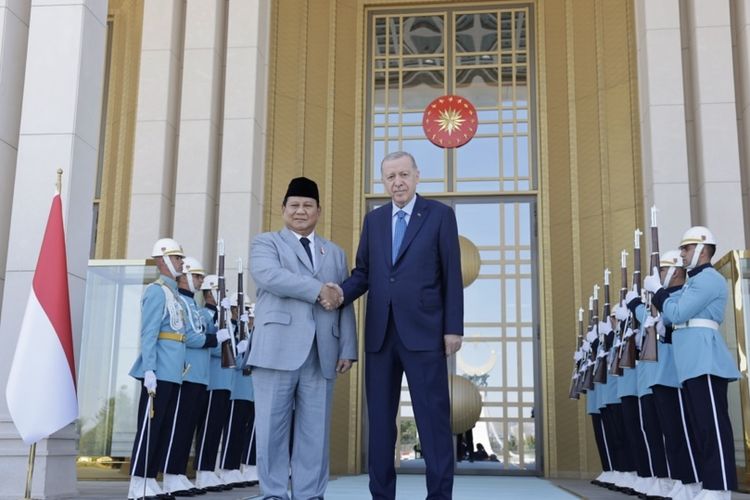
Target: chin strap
<point>696,256</point>
<point>175,274</point>
<point>668,277</point>
<point>190,282</point>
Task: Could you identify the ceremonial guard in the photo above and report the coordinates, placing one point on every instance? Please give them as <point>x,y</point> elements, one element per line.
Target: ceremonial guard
<point>678,439</point>
<point>213,414</point>
<point>632,440</point>
<point>240,405</point>
<point>657,482</point>
<point>161,362</point>
<point>703,362</point>
<point>200,337</point>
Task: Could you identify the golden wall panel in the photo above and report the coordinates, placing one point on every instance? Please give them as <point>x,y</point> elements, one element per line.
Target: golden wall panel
<point>125,19</point>
<point>311,122</point>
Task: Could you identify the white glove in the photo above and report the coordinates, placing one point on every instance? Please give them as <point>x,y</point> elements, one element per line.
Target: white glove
<point>226,303</point>
<point>652,283</point>
<point>586,346</point>
<point>222,335</point>
<point>660,329</point>
<point>650,321</point>
<point>244,318</point>
<point>605,328</point>
<point>242,346</point>
<point>577,356</point>
<point>622,313</point>
<point>628,333</point>
<point>149,380</point>
<point>591,335</point>
<point>632,294</point>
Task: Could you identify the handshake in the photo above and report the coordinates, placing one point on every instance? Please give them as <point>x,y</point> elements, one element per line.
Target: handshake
<point>331,296</point>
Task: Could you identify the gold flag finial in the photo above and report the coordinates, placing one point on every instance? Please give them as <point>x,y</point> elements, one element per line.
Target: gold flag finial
<point>59,180</point>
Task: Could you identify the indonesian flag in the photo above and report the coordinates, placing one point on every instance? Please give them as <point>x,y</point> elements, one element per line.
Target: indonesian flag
<point>41,391</point>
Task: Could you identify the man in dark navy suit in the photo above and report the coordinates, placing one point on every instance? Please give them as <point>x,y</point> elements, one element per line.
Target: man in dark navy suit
<point>409,261</point>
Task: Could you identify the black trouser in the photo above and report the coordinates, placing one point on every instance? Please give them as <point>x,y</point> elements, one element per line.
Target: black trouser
<point>631,417</point>
<point>678,434</point>
<point>191,402</point>
<point>621,453</point>
<point>155,431</point>
<point>238,427</point>
<point>654,439</point>
<point>209,430</point>
<point>706,398</point>
<point>600,435</point>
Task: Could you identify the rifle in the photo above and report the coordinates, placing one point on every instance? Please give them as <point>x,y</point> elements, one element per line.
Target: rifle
<point>574,392</point>
<point>242,327</point>
<point>629,354</point>
<point>614,367</point>
<point>649,349</point>
<point>600,369</point>
<point>588,377</point>
<point>227,347</point>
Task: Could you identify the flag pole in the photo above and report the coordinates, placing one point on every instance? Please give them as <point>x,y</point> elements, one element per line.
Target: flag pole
<point>30,471</point>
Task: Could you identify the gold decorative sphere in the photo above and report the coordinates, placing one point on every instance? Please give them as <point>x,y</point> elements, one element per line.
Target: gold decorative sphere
<point>470,260</point>
<point>466,404</point>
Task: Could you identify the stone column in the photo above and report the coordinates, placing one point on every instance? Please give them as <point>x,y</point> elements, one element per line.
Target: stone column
<point>200,127</point>
<point>662,107</point>
<point>60,121</point>
<point>157,126</point>
<point>243,148</point>
<point>716,184</point>
<point>14,33</point>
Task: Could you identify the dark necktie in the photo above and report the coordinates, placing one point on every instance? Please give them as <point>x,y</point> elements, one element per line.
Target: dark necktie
<point>398,233</point>
<point>306,243</point>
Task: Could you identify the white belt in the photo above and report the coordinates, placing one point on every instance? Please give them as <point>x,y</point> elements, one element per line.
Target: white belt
<point>698,323</point>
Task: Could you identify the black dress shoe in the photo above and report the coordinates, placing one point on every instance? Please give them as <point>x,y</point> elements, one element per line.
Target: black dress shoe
<point>197,491</point>
<point>216,488</point>
<point>166,496</point>
<point>183,493</point>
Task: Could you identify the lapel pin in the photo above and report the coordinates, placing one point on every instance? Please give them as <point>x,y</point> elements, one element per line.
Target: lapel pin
<point>419,214</point>
<point>322,251</point>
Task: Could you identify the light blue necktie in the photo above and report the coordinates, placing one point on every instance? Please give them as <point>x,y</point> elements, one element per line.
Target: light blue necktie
<point>398,233</point>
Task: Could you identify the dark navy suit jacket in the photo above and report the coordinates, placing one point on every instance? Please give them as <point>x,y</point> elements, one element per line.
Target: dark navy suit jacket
<point>423,287</point>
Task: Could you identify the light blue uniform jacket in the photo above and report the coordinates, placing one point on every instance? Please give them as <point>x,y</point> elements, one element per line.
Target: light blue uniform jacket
<point>666,371</point>
<point>166,358</point>
<point>699,350</point>
<point>219,378</point>
<point>592,400</point>
<point>196,355</point>
<point>627,383</point>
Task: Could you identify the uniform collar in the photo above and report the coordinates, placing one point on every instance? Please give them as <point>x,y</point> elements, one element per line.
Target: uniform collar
<point>698,269</point>
<point>186,293</point>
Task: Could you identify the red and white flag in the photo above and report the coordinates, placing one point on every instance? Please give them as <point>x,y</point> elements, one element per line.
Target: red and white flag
<point>41,390</point>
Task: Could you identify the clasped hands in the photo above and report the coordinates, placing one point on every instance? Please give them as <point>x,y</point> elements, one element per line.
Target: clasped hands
<point>331,296</point>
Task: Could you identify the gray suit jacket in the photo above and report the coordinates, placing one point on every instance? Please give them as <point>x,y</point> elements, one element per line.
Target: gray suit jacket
<point>287,315</point>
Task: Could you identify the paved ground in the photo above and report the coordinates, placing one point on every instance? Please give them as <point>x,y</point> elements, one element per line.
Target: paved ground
<point>410,487</point>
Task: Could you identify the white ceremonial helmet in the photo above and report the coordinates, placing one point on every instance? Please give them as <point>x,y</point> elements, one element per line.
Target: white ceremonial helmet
<point>211,282</point>
<point>165,247</point>
<point>698,236</point>
<point>190,266</point>
<point>671,260</point>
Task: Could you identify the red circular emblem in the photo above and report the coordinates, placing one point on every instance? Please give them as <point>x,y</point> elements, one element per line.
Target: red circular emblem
<point>450,121</point>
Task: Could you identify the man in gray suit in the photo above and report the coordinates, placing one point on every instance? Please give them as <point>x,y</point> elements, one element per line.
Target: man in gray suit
<point>298,347</point>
